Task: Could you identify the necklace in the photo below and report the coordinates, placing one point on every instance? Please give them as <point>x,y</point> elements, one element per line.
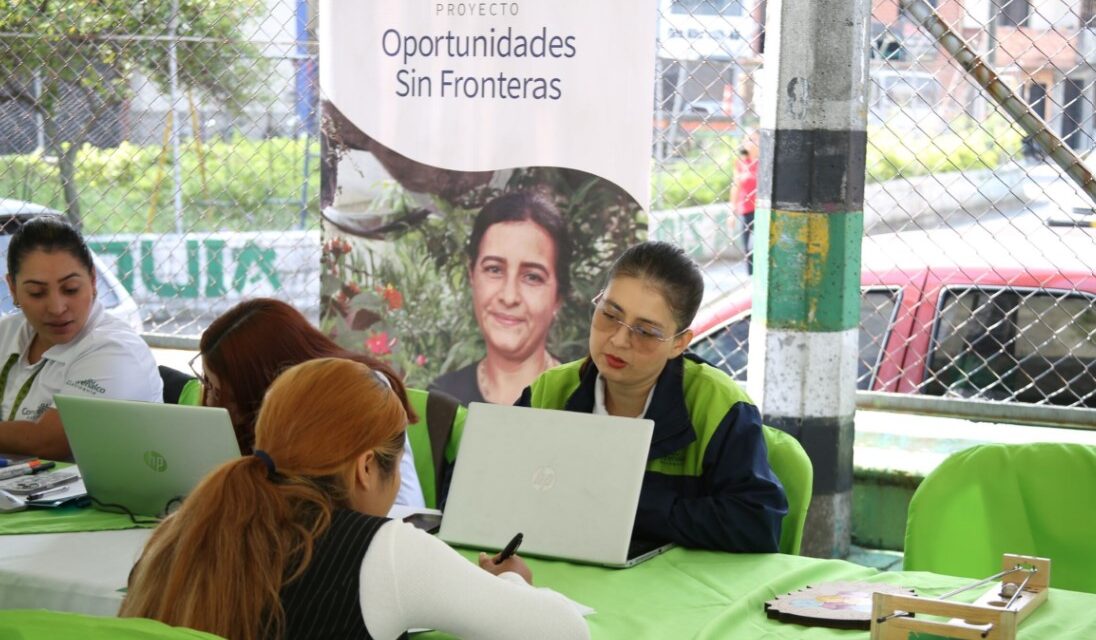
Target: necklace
<point>488,390</point>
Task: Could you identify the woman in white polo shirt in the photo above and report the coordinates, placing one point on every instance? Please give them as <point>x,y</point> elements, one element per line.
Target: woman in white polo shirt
<point>62,341</point>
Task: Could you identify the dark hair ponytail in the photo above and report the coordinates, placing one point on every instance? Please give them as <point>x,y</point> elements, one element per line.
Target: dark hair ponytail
<point>667,267</point>
<point>47,233</point>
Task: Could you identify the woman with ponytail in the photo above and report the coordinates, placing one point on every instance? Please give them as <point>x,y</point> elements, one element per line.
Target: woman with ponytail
<point>292,542</point>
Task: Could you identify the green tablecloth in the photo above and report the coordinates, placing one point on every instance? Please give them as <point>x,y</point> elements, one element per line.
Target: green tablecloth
<point>35,625</point>
<point>64,520</point>
<point>710,596</point>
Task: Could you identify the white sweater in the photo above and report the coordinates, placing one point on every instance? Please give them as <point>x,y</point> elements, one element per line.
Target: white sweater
<point>411,580</point>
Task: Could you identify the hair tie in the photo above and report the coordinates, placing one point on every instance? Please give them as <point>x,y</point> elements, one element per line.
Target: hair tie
<point>382,378</point>
<point>271,470</point>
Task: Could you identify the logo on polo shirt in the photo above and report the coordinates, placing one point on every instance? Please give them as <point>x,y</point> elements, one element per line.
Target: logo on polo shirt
<point>155,461</point>
<point>33,414</point>
<point>90,385</point>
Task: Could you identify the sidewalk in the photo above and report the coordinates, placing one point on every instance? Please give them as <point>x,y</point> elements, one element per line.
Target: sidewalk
<point>893,452</point>
<point>881,559</point>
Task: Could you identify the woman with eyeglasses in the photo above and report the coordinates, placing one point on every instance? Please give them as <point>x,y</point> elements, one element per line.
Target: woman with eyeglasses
<point>245,349</point>
<point>61,341</point>
<point>708,482</point>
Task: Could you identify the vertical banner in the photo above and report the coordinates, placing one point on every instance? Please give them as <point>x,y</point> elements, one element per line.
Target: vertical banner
<point>483,164</point>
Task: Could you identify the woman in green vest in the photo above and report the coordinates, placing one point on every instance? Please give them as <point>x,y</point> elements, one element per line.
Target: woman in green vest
<point>708,482</point>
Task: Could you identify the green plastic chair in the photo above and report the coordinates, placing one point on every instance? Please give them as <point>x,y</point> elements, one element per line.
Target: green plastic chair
<point>794,469</point>
<point>191,393</point>
<point>434,438</point>
<point>1031,499</point>
<point>50,625</point>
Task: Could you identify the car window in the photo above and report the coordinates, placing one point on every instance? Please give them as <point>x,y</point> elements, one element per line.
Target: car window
<point>877,308</point>
<point>729,348</point>
<point>1019,345</point>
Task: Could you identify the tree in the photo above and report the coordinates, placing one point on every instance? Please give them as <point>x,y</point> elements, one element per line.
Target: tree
<point>94,48</point>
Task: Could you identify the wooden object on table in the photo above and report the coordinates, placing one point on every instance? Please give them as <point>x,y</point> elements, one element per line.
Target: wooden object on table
<point>996,615</point>
<point>840,605</point>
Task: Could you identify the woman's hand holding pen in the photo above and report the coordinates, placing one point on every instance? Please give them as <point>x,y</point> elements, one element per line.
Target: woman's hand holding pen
<point>506,560</point>
<point>513,563</point>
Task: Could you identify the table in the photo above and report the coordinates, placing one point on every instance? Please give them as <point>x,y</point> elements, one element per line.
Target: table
<point>680,594</point>
<point>78,572</point>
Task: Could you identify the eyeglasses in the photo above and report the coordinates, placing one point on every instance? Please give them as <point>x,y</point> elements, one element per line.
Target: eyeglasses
<point>200,376</point>
<point>645,337</point>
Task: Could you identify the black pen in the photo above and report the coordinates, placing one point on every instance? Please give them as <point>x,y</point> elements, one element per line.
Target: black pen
<point>509,550</point>
<point>37,496</point>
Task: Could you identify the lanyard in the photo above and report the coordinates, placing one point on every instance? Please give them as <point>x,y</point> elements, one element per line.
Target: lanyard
<point>24,390</point>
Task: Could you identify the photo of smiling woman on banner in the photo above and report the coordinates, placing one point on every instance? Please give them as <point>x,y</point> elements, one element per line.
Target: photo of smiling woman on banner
<point>471,283</point>
<point>519,260</point>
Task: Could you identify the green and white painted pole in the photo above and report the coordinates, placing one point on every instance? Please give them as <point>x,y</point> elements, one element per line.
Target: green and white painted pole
<point>803,338</point>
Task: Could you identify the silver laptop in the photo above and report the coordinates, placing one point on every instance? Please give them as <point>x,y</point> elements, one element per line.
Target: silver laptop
<point>568,481</point>
<point>144,457</point>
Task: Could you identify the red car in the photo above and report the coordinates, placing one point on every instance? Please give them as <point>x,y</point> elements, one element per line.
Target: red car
<point>1004,312</point>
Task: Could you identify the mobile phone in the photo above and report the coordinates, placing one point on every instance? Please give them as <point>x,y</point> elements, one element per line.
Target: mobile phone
<point>428,522</point>
<point>78,500</point>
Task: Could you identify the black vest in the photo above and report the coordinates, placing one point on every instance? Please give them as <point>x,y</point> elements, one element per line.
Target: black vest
<point>324,601</point>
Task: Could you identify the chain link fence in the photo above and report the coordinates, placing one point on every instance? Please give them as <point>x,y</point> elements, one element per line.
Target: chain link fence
<point>979,278</point>
<point>182,136</point>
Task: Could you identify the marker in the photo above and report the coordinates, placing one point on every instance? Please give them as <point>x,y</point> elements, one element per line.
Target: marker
<point>45,466</point>
<point>509,550</point>
<point>7,459</point>
<point>25,468</point>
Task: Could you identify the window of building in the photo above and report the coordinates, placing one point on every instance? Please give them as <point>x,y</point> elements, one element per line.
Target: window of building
<point>708,7</point>
<point>1088,12</point>
<point>1013,13</point>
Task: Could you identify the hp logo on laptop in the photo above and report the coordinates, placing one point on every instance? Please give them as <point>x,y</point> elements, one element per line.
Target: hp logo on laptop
<point>544,478</point>
<point>155,461</point>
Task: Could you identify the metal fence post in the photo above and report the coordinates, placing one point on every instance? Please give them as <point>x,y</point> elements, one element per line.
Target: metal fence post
<point>810,221</point>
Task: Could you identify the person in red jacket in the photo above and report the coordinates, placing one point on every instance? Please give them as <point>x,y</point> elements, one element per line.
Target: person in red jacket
<point>744,194</point>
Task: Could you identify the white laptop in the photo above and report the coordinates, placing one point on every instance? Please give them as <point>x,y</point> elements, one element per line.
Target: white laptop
<point>568,481</point>
<point>144,457</point>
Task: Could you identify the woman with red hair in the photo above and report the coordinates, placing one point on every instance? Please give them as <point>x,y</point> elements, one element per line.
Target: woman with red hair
<point>245,349</point>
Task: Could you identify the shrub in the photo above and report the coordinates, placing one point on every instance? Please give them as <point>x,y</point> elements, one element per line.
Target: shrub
<point>249,184</point>
<point>704,176</point>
